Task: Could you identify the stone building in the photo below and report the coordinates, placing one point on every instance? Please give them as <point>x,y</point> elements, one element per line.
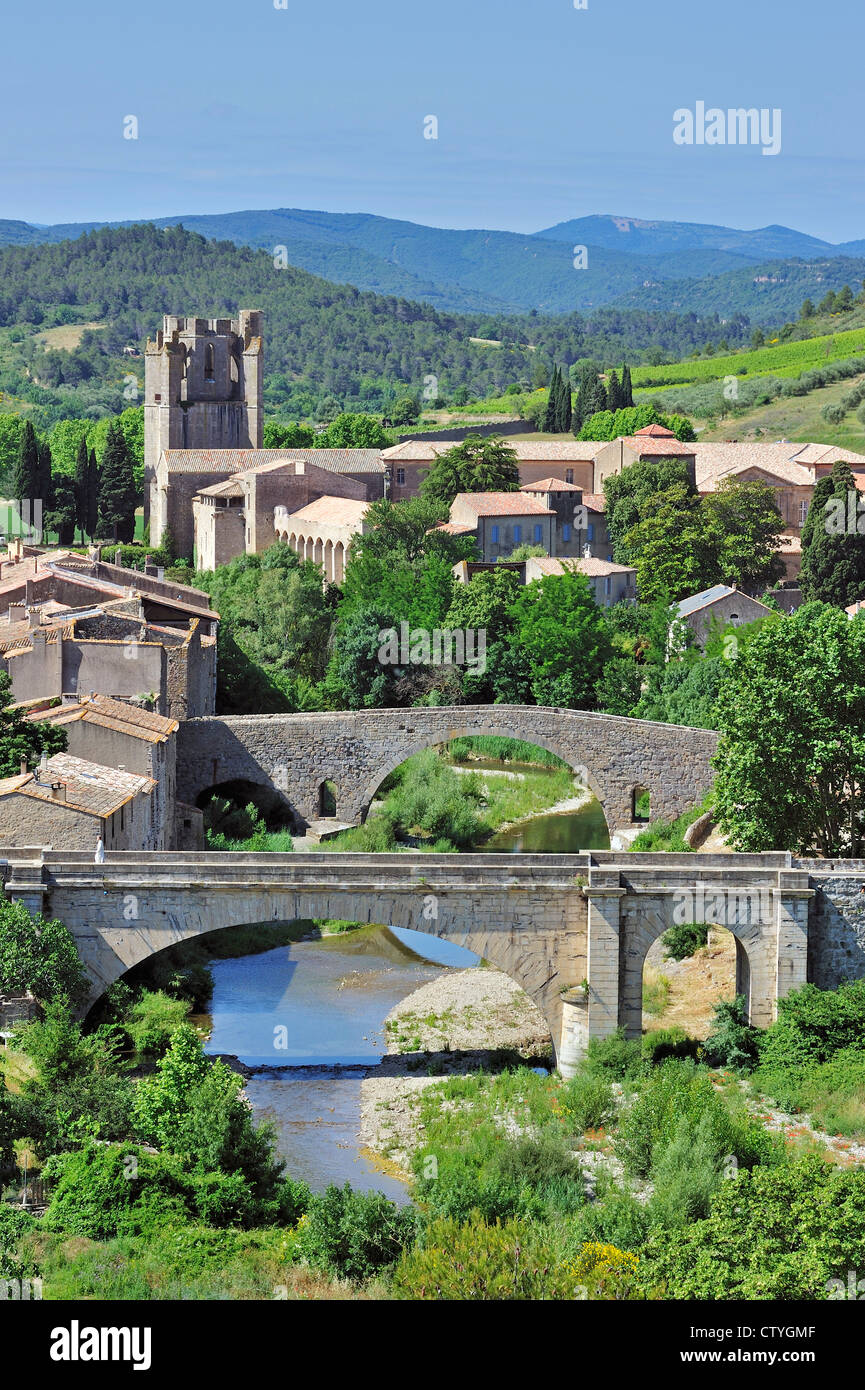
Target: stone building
<point>501,521</point>
<point>32,575</point>
<point>570,460</point>
<point>580,521</point>
<point>69,803</point>
<point>323,531</point>
<point>111,649</point>
<point>112,733</point>
<point>202,391</point>
<point>237,515</point>
<point>608,582</point>
<point>721,605</point>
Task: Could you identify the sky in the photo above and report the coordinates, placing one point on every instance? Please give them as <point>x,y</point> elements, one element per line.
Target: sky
<point>545,112</point>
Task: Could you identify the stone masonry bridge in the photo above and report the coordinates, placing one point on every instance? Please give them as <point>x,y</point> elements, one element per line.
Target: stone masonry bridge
<point>549,921</point>
<point>295,755</point>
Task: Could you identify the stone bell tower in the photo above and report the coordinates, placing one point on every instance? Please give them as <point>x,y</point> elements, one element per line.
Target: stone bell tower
<point>202,390</point>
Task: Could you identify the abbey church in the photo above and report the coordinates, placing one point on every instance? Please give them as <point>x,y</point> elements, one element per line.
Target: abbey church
<point>208,483</point>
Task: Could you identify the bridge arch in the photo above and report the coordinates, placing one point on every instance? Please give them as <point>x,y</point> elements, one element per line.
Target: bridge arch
<point>747,914</point>
<point>356,749</point>
<point>495,729</point>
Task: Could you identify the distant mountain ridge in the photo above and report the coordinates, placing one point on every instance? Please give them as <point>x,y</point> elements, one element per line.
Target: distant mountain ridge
<point>632,262</point>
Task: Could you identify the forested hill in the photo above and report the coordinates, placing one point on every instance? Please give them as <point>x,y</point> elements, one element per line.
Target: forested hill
<point>321,338</point>
<point>466,271</point>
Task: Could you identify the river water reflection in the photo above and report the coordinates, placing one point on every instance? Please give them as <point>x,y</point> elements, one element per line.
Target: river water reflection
<point>317,1008</point>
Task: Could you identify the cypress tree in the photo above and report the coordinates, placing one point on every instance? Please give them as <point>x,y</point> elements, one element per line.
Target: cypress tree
<point>91,515</point>
<point>45,494</point>
<point>82,476</point>
<point>552,410</point>
<point>627,389</point>
<point>25,474</point>
<point>116,489</point>
<point>567,406</point>
<point>581,411</point>
<point>60,517</point>
<point>597,397</point>
<point>614,392</point>
<point>833,547</point>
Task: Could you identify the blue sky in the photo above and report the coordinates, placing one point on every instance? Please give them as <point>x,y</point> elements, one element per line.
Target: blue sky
<point>545,112</point>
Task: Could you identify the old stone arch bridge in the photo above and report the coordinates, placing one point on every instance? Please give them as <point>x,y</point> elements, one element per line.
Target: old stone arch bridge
<point>551,922</point>
<point>296,755</point>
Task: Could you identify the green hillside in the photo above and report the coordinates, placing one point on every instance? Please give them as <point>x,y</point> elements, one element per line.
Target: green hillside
<point>326,345</point>
<point>663,266</point>
<point>776,358</point>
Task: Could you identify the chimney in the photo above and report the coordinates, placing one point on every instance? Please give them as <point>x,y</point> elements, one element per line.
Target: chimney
<point>58,791</point>
<point>29,593</point>
<point>24,767</point>
<point>118,558</point>
<point>34,617</point>
<point>17,613</point>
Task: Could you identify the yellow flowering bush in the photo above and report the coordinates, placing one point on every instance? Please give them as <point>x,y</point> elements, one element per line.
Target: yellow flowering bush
<point>482,1262</point>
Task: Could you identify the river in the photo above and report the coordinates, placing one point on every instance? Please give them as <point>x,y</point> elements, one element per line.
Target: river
<point>316,1010</point>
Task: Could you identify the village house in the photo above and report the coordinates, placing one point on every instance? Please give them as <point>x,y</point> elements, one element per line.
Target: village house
<point>132,739</point>
<point>717,608</point>
<point>70,803</point>
<point>502,521</point>
<point>608,582</point>
<point>580,521</point>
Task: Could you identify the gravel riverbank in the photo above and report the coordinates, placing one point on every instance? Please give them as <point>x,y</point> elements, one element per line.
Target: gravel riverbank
<point>452,1024</point>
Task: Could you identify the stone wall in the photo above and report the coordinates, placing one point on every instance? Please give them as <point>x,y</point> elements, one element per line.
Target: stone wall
<point>295,753</point>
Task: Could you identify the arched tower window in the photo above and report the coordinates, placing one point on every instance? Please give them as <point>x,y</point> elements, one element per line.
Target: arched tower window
<point>209,363</point>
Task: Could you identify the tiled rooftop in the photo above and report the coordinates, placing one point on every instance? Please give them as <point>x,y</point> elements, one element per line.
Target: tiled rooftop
<point>110,714</point>
<point>332,511</point>
<point>502,504</point>
<point>90,787</point>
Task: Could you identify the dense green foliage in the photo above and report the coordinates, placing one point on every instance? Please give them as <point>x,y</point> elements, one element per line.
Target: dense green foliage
<point>833,541</point>
<point>791,760</point>
<point>37,955</point>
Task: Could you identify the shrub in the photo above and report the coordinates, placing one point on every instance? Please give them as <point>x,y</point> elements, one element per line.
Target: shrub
<point>587,1101</point>
<point>686,1173</point>
<point>100,1190</point>
<point>16,1262</point>
<point>354,1234</point>
<point>813,1024</point>
<point>152,1021</point>
<point>664,1043</point>
<point>541,1170</point>
<point>676,1091</point>
<point>617,1057</point>
<point>772,1233</point>
<point>833,1092</point>
<point>732,1042</point>
<point>617,1218</point>
<point>684,939</point>
<point>479,1262</point>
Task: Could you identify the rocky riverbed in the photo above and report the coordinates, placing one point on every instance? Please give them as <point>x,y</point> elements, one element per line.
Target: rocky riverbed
<point>460,1022</point>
